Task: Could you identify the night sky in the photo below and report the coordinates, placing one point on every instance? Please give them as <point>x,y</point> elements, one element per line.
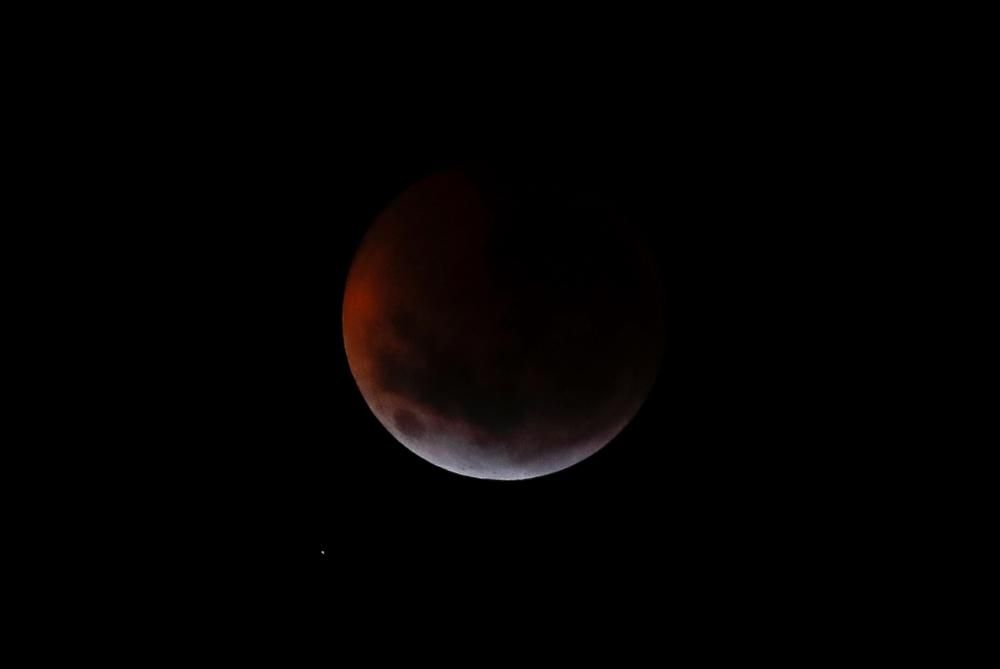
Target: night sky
<point>757,175</point>
<point>675,485</point>
<point>717,475</point>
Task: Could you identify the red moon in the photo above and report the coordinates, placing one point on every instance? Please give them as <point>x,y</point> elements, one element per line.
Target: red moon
<point>501,329</point>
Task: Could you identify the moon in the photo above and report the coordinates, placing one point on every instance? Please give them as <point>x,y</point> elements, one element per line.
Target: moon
<point>501,327</point>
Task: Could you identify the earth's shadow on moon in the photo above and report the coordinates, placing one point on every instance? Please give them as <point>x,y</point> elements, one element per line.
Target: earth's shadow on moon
<point>501,329</point>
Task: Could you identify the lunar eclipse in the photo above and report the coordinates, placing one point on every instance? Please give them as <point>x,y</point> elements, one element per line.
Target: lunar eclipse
<point>499,326</point>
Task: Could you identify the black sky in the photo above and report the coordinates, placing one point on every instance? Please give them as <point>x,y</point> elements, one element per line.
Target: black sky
<point>697,473</point>
<point>218,177</point>
<point>721,469</point>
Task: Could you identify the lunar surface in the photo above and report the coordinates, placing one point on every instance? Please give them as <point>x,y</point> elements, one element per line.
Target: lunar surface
<point>500,328</point>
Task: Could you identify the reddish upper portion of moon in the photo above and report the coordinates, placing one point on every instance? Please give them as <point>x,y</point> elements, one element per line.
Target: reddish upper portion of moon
<point>498,330</point>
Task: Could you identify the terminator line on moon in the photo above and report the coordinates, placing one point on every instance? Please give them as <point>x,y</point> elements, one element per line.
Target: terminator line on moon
<point>499,329</point>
